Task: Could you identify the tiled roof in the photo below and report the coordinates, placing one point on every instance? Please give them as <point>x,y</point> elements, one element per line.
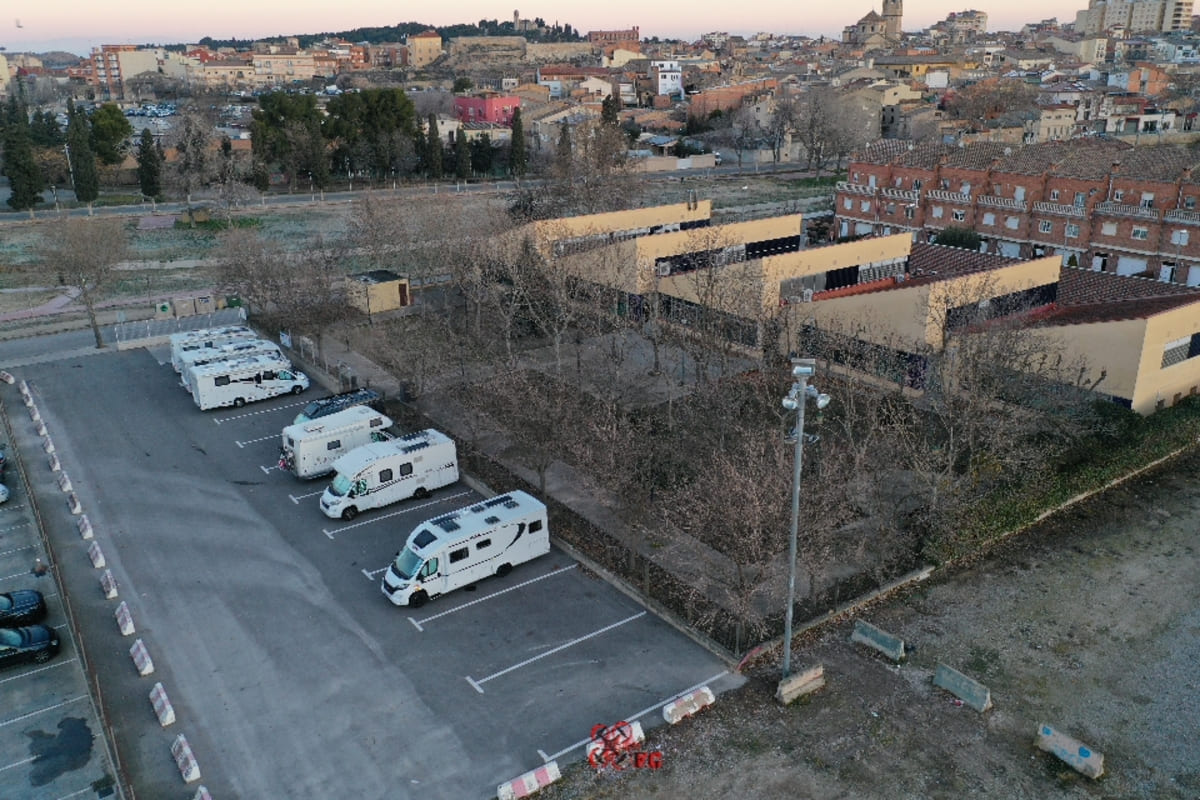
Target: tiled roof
<point>939,261</point>
<point>1078,286</point>
<point>1117,310</point>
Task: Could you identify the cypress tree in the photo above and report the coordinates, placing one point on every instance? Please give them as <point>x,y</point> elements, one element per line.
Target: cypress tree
<point>85,178</point>
<point>149,165</point>
<point>462,155</point>
<point>518,159</point>
<point>24,178</point>
<point>433,154</point>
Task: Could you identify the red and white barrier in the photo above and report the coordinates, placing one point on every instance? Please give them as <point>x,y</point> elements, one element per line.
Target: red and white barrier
<point>162,705</point>
<point>616,739</point>
<point>39,426</point>
<point>202,794</point>
<point>36,415</point>
<point>141,658</point>
<point>48,445</point>
<point>24,387</point>
<point>73,503</point>
<point>54,465</point>
<point>7,377</point>
<point>186,762</point>
<point>28,398</point>
<point>109,585</point>
<point>85,528</point>
<point>689,704</point>
<point>96,554</point>
<point>529,783</point>
<point>124,619</point>
<point>64,482</point>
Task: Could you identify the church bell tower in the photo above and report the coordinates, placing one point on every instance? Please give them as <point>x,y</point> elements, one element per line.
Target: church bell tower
<point>893,11</point>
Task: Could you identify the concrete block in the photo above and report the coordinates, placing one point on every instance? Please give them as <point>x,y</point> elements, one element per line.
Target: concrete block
<point>162,705</point>
<point>609,742</point>
<point>64,482</point>
<point>7,378</point>
<point>188,768</point>
<point>529,783</point>
<point>800,684</point>
<point>48,445</point>
<point>54,465</point>
<point>85,528</point>
<point>124,619</point>
<point>141,658</point>
<point>683,707</point>
<point>96,554</point>
<point>109,584</point>
<point>866,633</point>
<point>969,690</point>
<point>1082,758</point>
<point>202,794</point>
<point>73,503</point>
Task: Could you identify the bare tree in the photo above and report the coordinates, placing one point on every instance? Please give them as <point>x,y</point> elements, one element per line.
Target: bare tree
<point>84,253</point>
<point>192,140</point>
<point>784,114</point>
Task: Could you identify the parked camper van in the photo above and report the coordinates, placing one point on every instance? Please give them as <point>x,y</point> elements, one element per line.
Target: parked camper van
<point>382,473</point>
<point>244,380</point>
<point>275,359</point>
<point>465,546</point>
<point>206,338</point>
<point>335,403</point>
<point>226,352</point>
<point>310,448</point>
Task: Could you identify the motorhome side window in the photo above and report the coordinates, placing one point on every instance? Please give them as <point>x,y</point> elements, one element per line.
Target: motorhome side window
<point>268,375</point>
<point>334,445</point>
<point>284,375</point>
<point>482,544</point>
<point>458,555</point>
<point>221,380</point>
<point>385,475</point>
<point>535,526</point>
<point>430,568</point>
<point>405,469</point>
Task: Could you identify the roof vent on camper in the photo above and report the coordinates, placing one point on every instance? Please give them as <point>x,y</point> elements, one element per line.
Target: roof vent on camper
<point>491,520</point>
<point>446,523</point>
<point>498,500</point>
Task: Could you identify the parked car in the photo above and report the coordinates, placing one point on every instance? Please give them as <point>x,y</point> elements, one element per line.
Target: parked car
<point>339,402</point>
<point>3,493</point>
<point>22,607</point>
<point>30,643</point>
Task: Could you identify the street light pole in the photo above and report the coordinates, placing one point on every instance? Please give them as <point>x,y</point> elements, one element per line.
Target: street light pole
<point>801,392</point>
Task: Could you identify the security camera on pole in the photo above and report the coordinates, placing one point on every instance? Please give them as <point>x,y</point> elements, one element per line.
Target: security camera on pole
<point>801,391</point>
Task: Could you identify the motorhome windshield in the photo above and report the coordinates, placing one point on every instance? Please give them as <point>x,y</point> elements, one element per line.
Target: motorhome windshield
<point>407,564</point>
<point>340,485</point>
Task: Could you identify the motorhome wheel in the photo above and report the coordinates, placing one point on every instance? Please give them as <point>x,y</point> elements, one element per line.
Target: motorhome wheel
<point>350,513</point>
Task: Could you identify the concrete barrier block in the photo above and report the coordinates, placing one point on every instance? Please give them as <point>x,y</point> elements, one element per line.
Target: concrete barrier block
<point>141,658</point>
<point>124,619</point>
<point>85,528</point>
<point>1082,758</point>
<point>529,783</point>
<point>609,742</point>
<point>54,465</point>
<point>64,482</point>
<point>24,387</point>
<point>36,415</point>
<point>188,768</point>
<point>73,503</point>
<point>39,426</point>
<point>109,584</point>
<point>800,684</point>
<point>683,707</point>
<point>969,690</point>
<point>96,554</point>
<point>48,445</point>
<point>202,794</point>
<point>7,377</point>
<point>162,705</point>
<point>866,633</point>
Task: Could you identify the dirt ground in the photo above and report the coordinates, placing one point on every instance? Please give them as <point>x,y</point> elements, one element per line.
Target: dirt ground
<point>1090,623</point>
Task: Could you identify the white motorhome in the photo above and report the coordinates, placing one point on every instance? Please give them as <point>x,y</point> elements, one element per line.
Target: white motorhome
<point>244,380</point>
<point>226,352</point>
<point>275,359</point>
<point>310,448</point>
<point>460,548</point>
<point>382,473</point>
<point>206,338</point>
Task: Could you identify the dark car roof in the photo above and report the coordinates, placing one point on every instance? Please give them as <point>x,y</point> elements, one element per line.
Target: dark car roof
<point>25,636</point>
<point>19,598</point>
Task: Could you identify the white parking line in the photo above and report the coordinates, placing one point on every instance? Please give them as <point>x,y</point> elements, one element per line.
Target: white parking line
<point>15,764</point>
<point>17,550</point>
<point>270,410</point>
<point>14,527</point>
<point>267,470</point>
<point>477,685</point>
<point>17,507</point>
<point>55,665</point>
<point>297,498</point>
<point>382,517</point>
<point>256,441</point>
<point>635,717</point>
<point>371,574</point>
<point>490,596</point>
<point>76,794</point>
<point>43,710</point>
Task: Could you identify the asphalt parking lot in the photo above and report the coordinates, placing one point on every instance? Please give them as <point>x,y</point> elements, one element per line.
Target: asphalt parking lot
<point>290,672</point>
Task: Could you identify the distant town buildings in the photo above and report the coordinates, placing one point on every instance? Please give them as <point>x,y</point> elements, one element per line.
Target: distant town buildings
<point>1134,16</point>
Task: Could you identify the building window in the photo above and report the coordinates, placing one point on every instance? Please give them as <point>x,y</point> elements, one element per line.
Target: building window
<point>1045,226</point>
<point>898,182</point>
<point>865,205</point>
<point>848,204</point>
<point>989,218</point>
<point>1054,195</point>
<point>1141,234</point>
<point>1012,223</point>
<point>1147,200</point>
<point>1109,229</point>
<point>1118,195</point>
<point>1080,199</point>
<point>937,212</point>
<point>918,183</point>
<point>965,188</point>
<point>959,215</point>
<point>1072,230</point>
<point>1189,201</point>
<point>891,208</point>
<point>909,211</point>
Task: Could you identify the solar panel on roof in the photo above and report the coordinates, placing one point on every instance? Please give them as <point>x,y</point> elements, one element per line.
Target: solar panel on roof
<point>495,501</point>
<point>412,448</point>
<point>491,520</point>
<point>447,523</point>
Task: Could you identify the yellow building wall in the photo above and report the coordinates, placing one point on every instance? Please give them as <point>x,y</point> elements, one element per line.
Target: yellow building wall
<point>1113,349</point>
<point>546,232</point>
<point>1155,382</point>
<point>376,298</point>
<point>971,288</point>
<point>786,266</point>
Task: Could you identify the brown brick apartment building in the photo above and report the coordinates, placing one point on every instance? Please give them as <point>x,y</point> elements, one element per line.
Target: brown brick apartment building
<point>1107,205</point>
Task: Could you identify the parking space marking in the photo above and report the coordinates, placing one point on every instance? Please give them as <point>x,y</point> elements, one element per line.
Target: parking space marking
<point>255,441</point>
<point>76,794</point>
<point>478,684</point>
<point>270,410</point>
<point>55,665</point>
<point>17,550</point>
<point>490,596</point>
<point>16,764</point>
<point>17,507</point>
<point>297,498</point>
<point>43,710</point>
<point>267,470</point>
<point>382,517</point>
<point>582,742</point>
<point>25,524</point>
<point>372,573</point>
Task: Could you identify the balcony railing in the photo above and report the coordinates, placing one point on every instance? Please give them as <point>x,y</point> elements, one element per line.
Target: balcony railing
<point>906,195</point>
<point>1123,210</point>
<point>948,197</point>
<point>1181,216</point>
<point>1059,209</point>
<point>1002,202</point>
<point>856,188</point>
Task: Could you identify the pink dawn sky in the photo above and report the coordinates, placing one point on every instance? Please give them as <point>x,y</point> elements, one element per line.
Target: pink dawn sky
<point>78,25</point>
